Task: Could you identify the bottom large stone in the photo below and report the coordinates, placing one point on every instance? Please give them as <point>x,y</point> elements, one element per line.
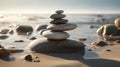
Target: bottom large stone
<point>46,45</point>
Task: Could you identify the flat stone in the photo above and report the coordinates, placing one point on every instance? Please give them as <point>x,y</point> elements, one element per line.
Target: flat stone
<point>55,35</point>
<point>59,46</point>
<point>59,21</point>
<point>4,31</point>
<point>59,11</point>
<point>23,29</point>
<point>57,16</point>
<point>3,37</point>
<point>62,27</point>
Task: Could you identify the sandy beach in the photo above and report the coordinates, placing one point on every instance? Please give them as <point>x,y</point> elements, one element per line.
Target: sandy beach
<point>107,56</point>
<point>99,57</point>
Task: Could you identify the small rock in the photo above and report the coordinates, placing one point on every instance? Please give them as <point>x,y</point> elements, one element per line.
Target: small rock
<point>4,53</point>
<point>108,50</point>
<point>3,36</point>
<point>59,11</point>
<point>19,41</point>
<point>1,46</point>
<point>99,43</point>
<point>89,49</point>
<point>82,39</point>
<point>28,58</point>
<point>23,29</point>
<point>57,16</point>
<point>4,31</point>
<point>33,38</point>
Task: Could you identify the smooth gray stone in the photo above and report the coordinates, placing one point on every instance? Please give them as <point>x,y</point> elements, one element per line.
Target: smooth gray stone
<point>62,27</point>
<point>59,11</point>
<point>55,35</point>
<point>46,45</point>
<point>59,21</point>
<point>57,16</point>
<point>23,29</point>
<point>2,37</point>
<point>4,31</point>
<point>40,27</point>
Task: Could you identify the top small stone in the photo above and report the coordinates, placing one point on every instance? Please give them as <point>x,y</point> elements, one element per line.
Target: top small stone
<point>59,11</point>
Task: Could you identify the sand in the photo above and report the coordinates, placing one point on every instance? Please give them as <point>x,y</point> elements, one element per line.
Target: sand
<point>107,56</point>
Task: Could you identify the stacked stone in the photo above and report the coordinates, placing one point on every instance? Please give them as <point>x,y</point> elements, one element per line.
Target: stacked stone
<point>55,30</point>
<point>55,38</point>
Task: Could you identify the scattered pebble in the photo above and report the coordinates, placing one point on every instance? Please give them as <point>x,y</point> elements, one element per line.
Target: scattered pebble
<point>28,58</point>
<point>99,43</point>
<point>33,38</point>
<point>89,49</point>
<point>19,41</point>
<point>4,37</point>
<point>108,50</point>
<point>82,39</point>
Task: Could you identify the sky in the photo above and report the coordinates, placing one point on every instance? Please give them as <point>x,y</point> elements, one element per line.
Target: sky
<point>69,6</point>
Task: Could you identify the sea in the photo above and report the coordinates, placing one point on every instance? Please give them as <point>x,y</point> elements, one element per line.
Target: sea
<point>87,25</point>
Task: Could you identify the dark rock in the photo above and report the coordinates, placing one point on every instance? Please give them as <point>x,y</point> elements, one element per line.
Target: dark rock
<point>40,27</point>
<point>59,21</point>
<point>82,39</point>
<point>57,16</point>
<point>59,11</point>
<point>23,29</point>
<point>28,58</point>
<point>33,38</point>
<point>99,43</point>
<point>19,41</point>
<point>1,46</point>
<point>89,49</point>
<point>4,53</point>
<point>61,46</point>
<point>3,36</point>
<point>4,31</point>
<point>108,50</point>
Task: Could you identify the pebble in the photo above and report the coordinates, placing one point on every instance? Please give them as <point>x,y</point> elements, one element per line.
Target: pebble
<point>59,11</point>
<point>19,41</point>
<point>3,36</point>
<point>4,31</point>
<point>108,50</point>
<point>28,58</point>
<point>33,38</point>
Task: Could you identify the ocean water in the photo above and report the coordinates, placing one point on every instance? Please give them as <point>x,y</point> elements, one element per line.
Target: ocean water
<point>87,26</point>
